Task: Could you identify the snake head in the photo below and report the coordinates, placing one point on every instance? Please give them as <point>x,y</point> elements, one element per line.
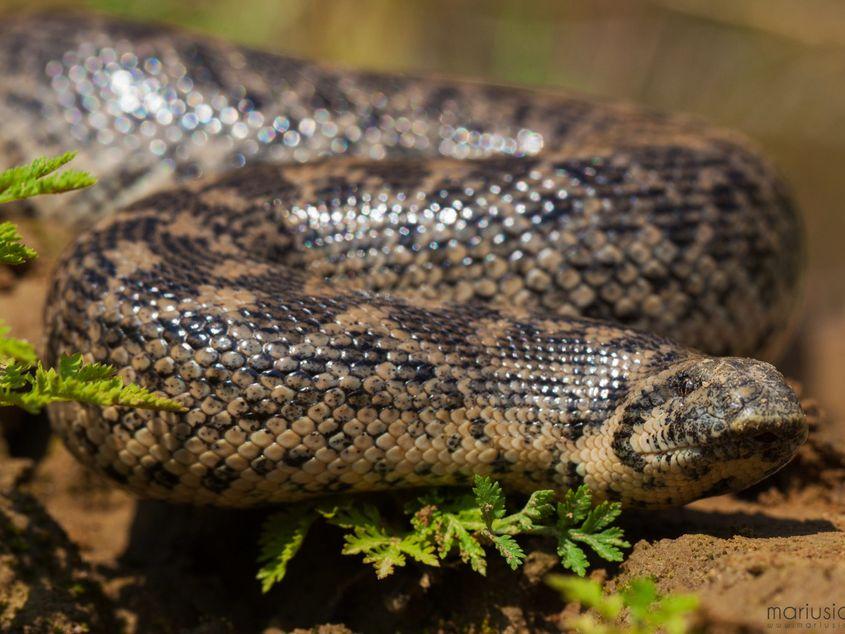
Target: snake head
<point>703,427</point>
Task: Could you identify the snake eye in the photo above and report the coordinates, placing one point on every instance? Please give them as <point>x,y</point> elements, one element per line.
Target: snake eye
<point>683,384</point>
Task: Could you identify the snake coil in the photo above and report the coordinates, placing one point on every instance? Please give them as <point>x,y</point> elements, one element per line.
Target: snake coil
<point>412,280</point>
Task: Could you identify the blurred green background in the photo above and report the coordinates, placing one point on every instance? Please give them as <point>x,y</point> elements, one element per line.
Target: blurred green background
<point>773,68</point>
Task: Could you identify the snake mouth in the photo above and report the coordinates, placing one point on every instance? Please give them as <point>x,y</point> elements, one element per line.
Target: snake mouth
<point>774,440</point>
<point>720,458</point>
<point>671,451</point>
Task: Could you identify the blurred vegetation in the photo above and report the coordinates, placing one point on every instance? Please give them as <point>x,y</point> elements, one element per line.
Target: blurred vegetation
<point>773,68</point>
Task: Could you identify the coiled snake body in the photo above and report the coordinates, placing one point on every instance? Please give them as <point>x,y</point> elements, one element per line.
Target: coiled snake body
<point>412,281</point>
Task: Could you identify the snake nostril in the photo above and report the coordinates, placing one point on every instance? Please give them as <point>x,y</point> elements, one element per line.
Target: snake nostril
<point>766,438</point>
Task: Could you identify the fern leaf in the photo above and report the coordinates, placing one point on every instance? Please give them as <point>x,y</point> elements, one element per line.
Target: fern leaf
<point>378,548</point>
<point>607,544</point>
<point>418,548</point>
<point>451,533</point>
<point>36,169</point>
<point>12,250</point>
<point>14,376</point>
<point>510,550</point>
<point>575,506</point>
<point>535,512</point>
<point>589,594</point>
<point>647,610</point>
<point>639,595</point>
<point>38,178</point>
<point>600,516</point>
<point>95,384</point>
<point>672,611</point>
<point>539,506</point>
<point>489,498</point>
<point>281,538</point>
<point>382,547</point>
<point>572,557</point>
<point>12,349</point>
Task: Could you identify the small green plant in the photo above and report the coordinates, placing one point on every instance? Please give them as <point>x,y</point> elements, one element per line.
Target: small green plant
<point>24,381</point>
<point>41,177</point>
<point>647,611</point>
<point>449,522</point>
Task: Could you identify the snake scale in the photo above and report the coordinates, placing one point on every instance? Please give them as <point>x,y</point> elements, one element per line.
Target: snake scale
<point>359,282</point>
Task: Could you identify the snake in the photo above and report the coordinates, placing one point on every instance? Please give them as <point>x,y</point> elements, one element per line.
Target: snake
<point>357,282</point>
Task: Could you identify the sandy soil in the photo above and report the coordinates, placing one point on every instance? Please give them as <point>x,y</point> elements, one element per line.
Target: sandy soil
<point>78,555</point>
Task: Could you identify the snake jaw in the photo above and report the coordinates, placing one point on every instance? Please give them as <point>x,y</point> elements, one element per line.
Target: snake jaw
<point>773,438</point>
<point>704,427</point>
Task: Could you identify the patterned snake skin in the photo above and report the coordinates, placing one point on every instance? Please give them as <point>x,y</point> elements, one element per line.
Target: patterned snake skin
<point>413,281</point>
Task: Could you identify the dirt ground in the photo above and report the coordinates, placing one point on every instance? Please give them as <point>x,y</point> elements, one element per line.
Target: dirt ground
<point>78,555</point>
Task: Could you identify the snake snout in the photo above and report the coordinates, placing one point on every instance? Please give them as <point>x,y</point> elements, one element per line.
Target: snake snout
<point>773,427</point>
<point>757,412</point>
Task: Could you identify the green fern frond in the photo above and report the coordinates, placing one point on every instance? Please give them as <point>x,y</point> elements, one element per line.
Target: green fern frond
<point>457,522</point>
<point>281,538</point>
<point>25,181</point>
<point>509,549</point>
<point>450,525</point>
<point>24,381</point>
<point>38,178</point>
<point>489,498</point>
<point>384,547</point>
<point>647,610</point>
<point>14,376</point>
<point>74,380</point>
<point>12,349</point>
<point>579,523</point>
<point>12,249</point>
